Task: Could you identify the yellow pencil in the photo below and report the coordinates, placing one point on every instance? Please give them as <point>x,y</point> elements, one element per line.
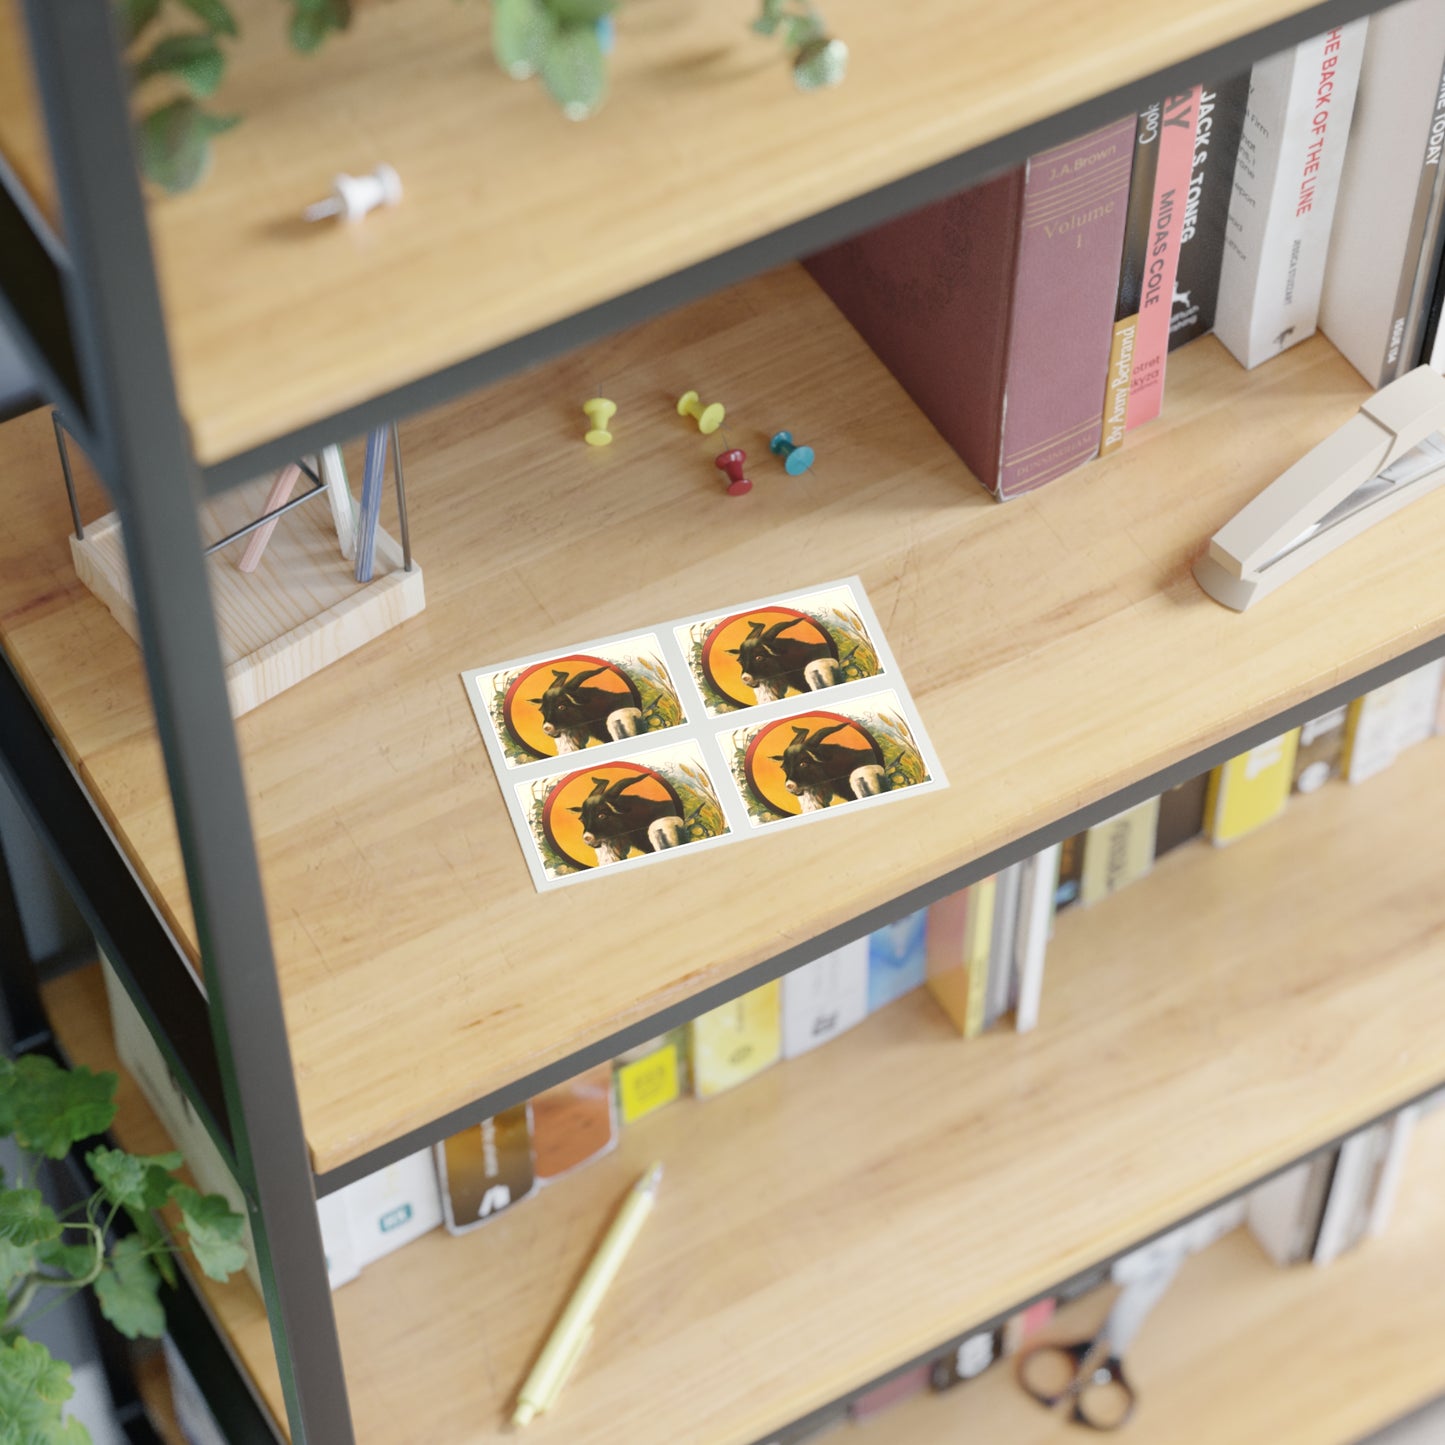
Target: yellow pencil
<point>572,1331</point>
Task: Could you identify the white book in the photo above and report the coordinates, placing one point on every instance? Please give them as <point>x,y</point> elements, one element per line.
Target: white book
<point>1415,712</point>
<point>1286,181</point>
<point>1388,189</point>
<point>1283,1214</point>
<point>1389,719</point>
<point>825,998</point>
<point>392,1207</point>
<point>1400,1129</point>
<point>1001,975</point>
<point>1351,1179</point>
<point>1036,923</point>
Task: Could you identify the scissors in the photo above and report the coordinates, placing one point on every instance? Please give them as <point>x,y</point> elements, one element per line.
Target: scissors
<point>1089,1374</point>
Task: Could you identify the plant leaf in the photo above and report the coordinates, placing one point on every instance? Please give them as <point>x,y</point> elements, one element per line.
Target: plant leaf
<point>128,1291</point>
<point>54,1108</point>
<point>74,1261</point>
<point>175,145</point>
<point>820,63</point>
<point>33,1389</point>
<point>16,1261</point>
<point>581,12</point>
<point>135,15</point>
<point>156,1241</point>
<point>214,1229</point>
<point>195,60</point>
<point>133,1180</point>
<point>521,32</point>
<point>215,15</point>
<point>313,20</point>
<point>574,70</point>
<point>25,1218</point>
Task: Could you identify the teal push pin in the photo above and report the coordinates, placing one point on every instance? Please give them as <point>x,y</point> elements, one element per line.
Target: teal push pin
<point>796,460</point>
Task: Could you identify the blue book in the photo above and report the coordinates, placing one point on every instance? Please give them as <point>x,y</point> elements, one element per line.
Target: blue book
<point>896,960</point>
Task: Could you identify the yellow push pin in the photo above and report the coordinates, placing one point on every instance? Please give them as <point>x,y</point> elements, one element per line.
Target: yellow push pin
<point>599,411</point>
<point>709,418</point>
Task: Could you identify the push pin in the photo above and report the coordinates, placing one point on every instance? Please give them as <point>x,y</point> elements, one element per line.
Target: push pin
<point>353,196</point>
<point>731,462</point>
<point>709,418</point>
<point>599,411</point>
<point>796,460</point>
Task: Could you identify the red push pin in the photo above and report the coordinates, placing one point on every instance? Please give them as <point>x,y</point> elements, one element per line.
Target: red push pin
<point>731,462</point>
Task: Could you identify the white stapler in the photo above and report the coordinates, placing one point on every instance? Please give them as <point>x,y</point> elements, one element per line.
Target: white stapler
<point>1390,453</point>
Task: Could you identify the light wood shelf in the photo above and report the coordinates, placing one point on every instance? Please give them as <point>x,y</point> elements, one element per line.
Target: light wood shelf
<point>22,129</point>
<point>1240,1350</point>
<point>847,1211</point>
<point>514,217</point>
<point>1058,648</point>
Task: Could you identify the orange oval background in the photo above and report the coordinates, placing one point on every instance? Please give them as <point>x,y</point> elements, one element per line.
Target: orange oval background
<point>723,669</point>
<point>524,717</point>
<point>766,776</point>
<point>564,827</point>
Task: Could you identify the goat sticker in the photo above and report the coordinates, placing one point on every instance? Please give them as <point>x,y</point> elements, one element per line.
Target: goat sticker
<point>620,811</point>
<point>811,761</point>
<point>778,650</point>
<point>581,700</point>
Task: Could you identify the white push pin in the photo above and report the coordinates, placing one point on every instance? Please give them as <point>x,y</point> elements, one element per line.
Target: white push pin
<point>353,196</point>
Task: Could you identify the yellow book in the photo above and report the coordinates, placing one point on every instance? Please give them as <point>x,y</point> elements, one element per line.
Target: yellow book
<point>978,944</point>
<point>1251,790</point>
<point>1118,851</point>
<point>946,970</point>
<point>734,1042</point>
<point>651,1075</point>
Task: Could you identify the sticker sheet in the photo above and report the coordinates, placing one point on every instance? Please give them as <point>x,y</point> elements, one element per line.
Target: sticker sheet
<point>699,732</point>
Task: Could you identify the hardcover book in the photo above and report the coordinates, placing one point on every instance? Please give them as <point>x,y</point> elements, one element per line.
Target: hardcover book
<point>1002,961</point>
<point>993,307</point>
<point>1286,181</point>
<point>1118,851</point>
<point>1387,192</point>
<point>1037,891</point>
<point>1388,719</point>
<point>1179,118</point>
<point>958,960</point>
<point>651,1075</point>
<point>1251,790</point>
<point>1181,814</point>
<point>1129,291</point>
<point>573,1123</point>
<point>1321,750</point>
<point>1206,210</point>
<point>486,1169</point>
<point>825,998</point>
<point>737,1040</point>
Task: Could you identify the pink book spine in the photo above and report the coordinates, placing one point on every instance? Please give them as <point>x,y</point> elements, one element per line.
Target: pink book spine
<point>1171,191</point>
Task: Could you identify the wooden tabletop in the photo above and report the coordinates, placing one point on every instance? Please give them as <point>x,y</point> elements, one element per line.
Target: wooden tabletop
<point>1057,648</point>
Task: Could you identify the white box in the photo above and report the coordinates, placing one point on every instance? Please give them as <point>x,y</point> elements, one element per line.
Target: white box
<point>825,998</point>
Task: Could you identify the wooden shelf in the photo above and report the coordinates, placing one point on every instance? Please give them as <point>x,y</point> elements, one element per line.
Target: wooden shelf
<point>1242,1351</point>
<point>1057,647</point>
<point>515,218</point>
<point>22,130</point>
<point>847,1211</point>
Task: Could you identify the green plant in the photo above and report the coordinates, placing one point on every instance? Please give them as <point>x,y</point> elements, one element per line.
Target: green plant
<point>818,59</point>
<point>565,42</point>
<point>45,1256</point>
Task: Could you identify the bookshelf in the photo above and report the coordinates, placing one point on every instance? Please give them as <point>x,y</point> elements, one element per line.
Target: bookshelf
<point>1061,656</point>
<point>1308,1340</point>
<point>395,850</point>
<point>799,1224</point>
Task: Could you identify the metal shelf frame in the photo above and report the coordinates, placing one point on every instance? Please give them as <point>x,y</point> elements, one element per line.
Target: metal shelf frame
<point>87,313</point>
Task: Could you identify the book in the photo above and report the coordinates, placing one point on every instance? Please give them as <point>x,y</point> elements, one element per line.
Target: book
<point>977,954</point>
<point>1286,180</point>
<point>737,1040</point>
<point>650,1076</point>
<point>1251,790</point>
<point>825,998</point>
<point>1388,189</point>
<point>1023,1324</point>
<point>993,307</point>
<point>1118,851</point>
<point>897,961</point>
<point>1206,209</point>
<point>1177,125</point>
<point>966,1362</point>
<point>960,939</point>
<point>1071,870</point>
<point>1321,750</point>
<point>1386,720</point>
<point>1129,292</point>
<point>395,1205</point>
<point>486,1169</point>
<point>892,1392</point>
<point>1284,1213</point>
<point>573,1123</point>
<point>1038,889</point>
<point>1002,979</point>
<point>1400,1130</point>
<point>1181,814</point>
<point>1342,1224</point>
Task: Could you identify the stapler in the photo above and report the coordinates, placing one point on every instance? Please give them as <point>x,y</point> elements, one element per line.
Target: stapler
<point>1391,452</point>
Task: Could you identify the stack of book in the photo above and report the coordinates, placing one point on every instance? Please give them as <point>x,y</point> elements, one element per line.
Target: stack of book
<point>1031,317</point>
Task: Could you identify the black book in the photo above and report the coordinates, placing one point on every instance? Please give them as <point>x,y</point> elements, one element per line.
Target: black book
<point>1206,211</point>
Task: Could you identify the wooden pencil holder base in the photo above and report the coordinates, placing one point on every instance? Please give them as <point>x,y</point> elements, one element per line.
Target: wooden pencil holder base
<point>299,611</point>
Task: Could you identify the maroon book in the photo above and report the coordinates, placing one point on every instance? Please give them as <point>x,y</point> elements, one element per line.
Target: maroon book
<point>995,307</point>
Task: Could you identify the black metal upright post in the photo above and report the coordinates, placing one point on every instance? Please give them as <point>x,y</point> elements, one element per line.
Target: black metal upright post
<point>144,454</point>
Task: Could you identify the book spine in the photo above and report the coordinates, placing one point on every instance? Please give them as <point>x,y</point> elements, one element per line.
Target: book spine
<point>1001,949</point>
<point>946,954</point>
<point>1206,211</point>
<point>1070,233</point>
<point>1036,914</point>
<point>1139,216</point>
<point>1286,181</point>
<point>978,944</point>
<point>1414,273</point>
<point>1392,1168</point>
<point>1177,131</point>
<point>1251,790</point>
<point>1119,851</point>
